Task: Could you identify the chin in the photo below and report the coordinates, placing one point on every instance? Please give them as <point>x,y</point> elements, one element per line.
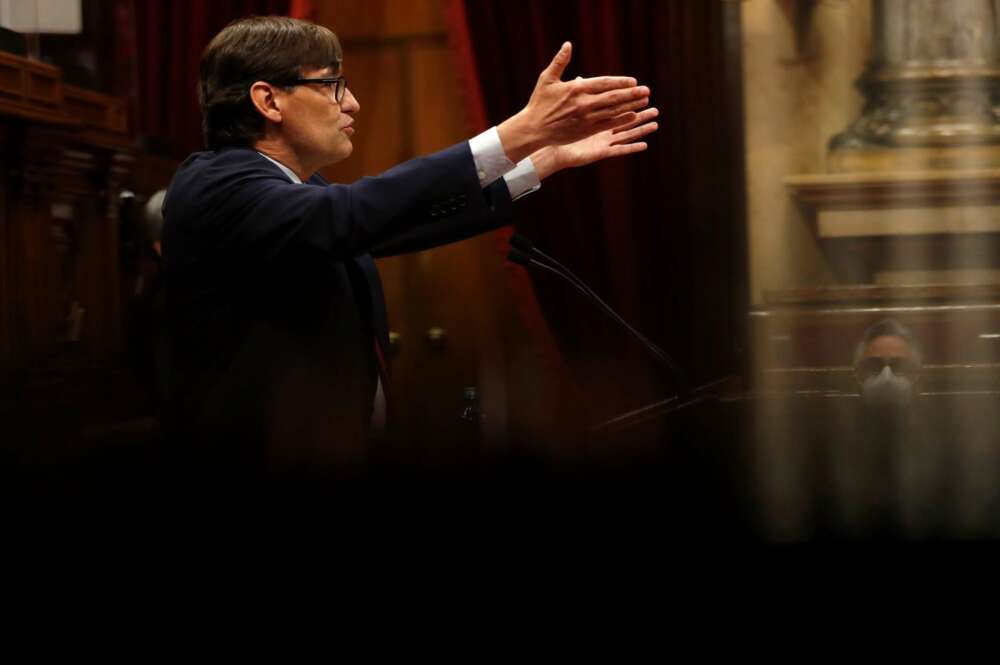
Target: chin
<point>340,154</point>
<point>342,147</point>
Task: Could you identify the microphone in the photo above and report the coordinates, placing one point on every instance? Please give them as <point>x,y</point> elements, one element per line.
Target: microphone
<point>521,253</point>
<point>525,245</point>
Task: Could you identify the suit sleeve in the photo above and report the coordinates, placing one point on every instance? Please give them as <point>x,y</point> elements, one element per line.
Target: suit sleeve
<point>451,220</point>
<point>419,204</point>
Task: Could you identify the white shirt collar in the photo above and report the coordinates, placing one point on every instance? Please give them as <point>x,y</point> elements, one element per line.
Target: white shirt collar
<point>287,171</point>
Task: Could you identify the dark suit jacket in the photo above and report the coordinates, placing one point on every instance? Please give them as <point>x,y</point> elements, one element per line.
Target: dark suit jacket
<point>274,299</point>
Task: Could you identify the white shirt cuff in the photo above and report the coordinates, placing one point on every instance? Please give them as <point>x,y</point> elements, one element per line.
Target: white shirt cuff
<point>488,155</point>
<point>523,180</point>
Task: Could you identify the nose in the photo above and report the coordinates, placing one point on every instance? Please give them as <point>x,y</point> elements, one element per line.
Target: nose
<point>349,104</point>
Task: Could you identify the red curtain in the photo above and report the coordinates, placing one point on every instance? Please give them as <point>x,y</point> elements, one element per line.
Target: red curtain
<point>170,36</point>
<point>660,235</point>
<point>544,408</point>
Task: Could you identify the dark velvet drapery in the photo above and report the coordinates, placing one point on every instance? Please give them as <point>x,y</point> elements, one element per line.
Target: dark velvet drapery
<point>660,235</point>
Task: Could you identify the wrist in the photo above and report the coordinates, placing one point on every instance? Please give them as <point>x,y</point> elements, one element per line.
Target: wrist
<point>545,162</point>
<point>516,137</point>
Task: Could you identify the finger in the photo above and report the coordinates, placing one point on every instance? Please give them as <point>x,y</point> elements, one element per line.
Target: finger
<point>615,111</point>
<point>600,84</point>
<point>558,65</point>
<point>612,123</point>
<point>635,133</point>
<point>643,116</point>
<point>626,149</point>
<point>618,151</point>
<point>614,98</point>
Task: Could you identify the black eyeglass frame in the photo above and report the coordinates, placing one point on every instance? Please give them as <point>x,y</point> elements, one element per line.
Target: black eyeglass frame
<point>339,81</point>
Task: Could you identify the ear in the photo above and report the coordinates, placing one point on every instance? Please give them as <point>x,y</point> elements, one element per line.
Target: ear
<point>265,99</point>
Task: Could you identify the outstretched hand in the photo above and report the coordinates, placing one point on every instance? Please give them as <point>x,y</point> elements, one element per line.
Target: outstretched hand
<point>622,140</point>
<point>562,112</point>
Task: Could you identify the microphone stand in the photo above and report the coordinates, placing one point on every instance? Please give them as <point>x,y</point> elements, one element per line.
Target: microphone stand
<point>521,253</point>
<point>521,246</point>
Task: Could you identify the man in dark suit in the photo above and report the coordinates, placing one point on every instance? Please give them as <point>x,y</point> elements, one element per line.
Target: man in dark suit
<point>277,318</point>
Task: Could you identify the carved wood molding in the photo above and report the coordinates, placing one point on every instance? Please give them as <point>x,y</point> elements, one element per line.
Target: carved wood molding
<point>34,91</point>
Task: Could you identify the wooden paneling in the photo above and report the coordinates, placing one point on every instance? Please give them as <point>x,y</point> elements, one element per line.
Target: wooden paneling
<point>41,87</point>
<point>11,78</point>
<point>399,66</point>
<point>94,110</point>
<point>62,253</point>
<point>438,115</point>
<point>60,301</point>
<point>381,19</point>
<point>29,277</point>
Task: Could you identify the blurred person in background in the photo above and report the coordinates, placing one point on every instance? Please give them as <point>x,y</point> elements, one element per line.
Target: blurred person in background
<point>887,364</point>
<point>890,476</point>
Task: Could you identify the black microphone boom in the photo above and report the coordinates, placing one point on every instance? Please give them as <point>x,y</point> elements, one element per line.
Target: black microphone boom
<point>520,253</point>
<point>518,257</point>
<point>525,245</point>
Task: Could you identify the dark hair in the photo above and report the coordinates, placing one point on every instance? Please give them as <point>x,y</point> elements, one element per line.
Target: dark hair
<point>258,48</point>
<point>888,328</point>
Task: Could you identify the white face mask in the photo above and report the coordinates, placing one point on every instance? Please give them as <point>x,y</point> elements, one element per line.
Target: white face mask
<point>887,390</point>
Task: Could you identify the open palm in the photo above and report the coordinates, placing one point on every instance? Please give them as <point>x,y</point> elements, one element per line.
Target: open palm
<point>609,143</point>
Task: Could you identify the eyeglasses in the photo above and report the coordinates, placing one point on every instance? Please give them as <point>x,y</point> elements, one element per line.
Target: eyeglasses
<point>337,83</point>
<point>899,366</point>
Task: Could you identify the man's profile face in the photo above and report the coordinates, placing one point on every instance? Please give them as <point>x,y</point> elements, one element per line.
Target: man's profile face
<point>314,124</point>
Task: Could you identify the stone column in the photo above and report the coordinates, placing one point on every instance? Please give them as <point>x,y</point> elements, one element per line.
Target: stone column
<point>932,89</point>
